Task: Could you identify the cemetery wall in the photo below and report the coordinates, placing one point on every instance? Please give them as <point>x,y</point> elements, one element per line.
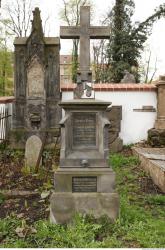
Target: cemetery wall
<point>138,101</point>
<point>7,101</point>
<point>6,104</point>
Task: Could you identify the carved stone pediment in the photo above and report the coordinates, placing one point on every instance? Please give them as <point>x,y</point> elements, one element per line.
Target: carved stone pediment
<point>35,42</point>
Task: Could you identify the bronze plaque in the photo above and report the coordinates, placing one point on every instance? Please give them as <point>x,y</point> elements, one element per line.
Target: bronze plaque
<point>84,184</point>
<point>84,129</point>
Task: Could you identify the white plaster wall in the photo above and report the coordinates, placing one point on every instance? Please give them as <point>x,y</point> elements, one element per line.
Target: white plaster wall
<point>134,125</point>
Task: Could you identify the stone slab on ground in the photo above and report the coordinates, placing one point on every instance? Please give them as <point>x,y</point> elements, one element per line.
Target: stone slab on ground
<point>155,156</point>
<point>153,162</point>
<point>65,205</point>
<point>32,150</point>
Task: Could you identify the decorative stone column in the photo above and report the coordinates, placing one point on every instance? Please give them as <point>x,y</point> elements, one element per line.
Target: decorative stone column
<point>156,135</point>
<point>160,122</point>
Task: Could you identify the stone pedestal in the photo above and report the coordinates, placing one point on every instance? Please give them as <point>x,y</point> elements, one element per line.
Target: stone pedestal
<point>156,136</point>
<point>84,182</point>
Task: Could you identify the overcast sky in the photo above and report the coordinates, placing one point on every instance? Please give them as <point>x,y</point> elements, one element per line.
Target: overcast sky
<point>144,8</point>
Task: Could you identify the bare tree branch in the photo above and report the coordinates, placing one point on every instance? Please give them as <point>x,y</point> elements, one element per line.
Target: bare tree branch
<point>19,12</point>
<point>45,23</point>
<point>65,12</point>
<point>155,69</point>
<point>148,65</point>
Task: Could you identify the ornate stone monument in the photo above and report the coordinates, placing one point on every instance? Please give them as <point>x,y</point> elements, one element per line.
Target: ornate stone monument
<point>156,135</point>
<point>37,86</point>
<point>84,182</point>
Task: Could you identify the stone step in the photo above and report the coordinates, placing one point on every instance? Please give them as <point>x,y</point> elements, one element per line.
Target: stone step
<point>154,156</point>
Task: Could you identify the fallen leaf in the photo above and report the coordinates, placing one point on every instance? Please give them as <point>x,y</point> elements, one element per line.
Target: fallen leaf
<point>33,230</point>
<point>40,201</point>
<point>34,175</point>
<point>19,216</point>
<point>20,232</point>
<point>10,174</point>
<point>48,209</point>
<point>45,194</point>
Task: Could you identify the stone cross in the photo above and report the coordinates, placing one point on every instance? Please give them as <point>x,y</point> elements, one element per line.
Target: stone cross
<point>85,32</point>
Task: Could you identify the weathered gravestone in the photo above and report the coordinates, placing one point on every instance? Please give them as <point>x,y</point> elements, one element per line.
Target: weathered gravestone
<point>37,86</point>
<point>32,150</point>
<point>114,115</point>
<point>128,77</point>
<point>84,182</point>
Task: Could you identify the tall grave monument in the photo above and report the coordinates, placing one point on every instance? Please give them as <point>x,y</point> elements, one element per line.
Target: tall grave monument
<point>156,135</point>
<point>84,182</point>
<point>37,85</point>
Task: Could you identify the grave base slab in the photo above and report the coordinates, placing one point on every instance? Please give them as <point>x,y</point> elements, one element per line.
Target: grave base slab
<point>65,205</point>
<point>86,191</point>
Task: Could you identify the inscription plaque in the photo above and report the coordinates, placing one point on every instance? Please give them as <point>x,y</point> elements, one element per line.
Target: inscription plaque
<point>84,184</point>
<point>35,79</point>
<point>84,129</point>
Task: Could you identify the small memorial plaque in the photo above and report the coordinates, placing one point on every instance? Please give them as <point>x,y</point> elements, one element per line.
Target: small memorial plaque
<point>84,184</point>
<point>84,129</point>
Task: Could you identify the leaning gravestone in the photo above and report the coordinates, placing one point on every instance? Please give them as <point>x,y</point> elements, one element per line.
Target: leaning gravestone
<point>32,150</point>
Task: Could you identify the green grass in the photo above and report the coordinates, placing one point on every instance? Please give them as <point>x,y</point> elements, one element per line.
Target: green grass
<point>156,199</point>
<point>141,222</point>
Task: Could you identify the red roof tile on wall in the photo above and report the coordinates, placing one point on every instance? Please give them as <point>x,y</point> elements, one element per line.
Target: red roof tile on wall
<point>115,87</point>
<point>6,99</point>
